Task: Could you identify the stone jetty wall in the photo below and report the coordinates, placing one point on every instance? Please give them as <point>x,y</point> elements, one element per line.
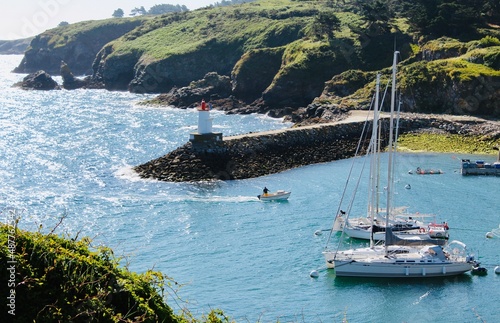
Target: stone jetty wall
<point>263,153</point>
<point>255,154</point>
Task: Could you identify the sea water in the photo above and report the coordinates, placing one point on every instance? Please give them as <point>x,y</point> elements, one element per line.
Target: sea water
<point>69,154</point>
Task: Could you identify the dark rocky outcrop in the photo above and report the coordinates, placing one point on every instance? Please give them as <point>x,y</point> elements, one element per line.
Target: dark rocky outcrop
<point>212,87</point>
<point>40,80</point>
<point>70,82</point>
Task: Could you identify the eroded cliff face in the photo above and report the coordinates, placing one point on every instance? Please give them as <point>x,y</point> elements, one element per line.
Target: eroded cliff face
<point>255,71</point>
<point>77,48</point>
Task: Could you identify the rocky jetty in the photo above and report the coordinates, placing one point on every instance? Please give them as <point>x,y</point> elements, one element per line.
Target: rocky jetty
<point>258,154</point>
<point>254,155</point>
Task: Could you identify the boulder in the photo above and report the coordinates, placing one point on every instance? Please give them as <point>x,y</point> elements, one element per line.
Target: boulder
<point>40,80</point>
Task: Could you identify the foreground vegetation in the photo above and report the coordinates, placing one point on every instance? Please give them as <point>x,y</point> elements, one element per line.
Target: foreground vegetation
<point>61,280</point>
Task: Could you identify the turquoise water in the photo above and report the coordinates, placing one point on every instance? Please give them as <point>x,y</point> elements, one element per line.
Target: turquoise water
<point>71,152</point>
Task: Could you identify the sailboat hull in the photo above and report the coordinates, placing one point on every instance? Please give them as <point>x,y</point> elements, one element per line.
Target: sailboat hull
<point>401,261</point>
<point>395,269</point>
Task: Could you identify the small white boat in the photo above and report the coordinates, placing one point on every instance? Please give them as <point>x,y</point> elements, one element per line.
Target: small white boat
<point>277,196</point>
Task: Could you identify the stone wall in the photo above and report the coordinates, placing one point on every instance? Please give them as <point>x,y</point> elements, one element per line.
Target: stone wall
<point>255,154</point>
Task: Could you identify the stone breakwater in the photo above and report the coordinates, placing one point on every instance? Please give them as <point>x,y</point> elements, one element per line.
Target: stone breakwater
<point>258,154</point>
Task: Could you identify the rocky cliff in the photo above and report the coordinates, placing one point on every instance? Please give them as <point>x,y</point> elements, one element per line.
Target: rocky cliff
<point>76,44</point>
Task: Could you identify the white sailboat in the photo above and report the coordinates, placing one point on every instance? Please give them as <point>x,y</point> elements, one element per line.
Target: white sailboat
<point>372,225</point>
<point>397,257</point>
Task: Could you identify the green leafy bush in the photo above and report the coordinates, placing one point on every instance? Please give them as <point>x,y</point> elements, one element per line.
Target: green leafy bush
<point>488,41</point>
<point>60,280</point>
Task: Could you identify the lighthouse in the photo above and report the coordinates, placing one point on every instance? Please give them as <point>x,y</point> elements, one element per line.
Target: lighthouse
<point>204,133</point>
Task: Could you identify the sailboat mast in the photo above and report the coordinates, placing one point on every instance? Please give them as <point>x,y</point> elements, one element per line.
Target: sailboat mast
<point>374,169</point>
<point>390,146</point>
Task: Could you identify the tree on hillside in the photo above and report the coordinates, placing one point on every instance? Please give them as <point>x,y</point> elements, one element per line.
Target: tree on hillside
<point>492,11</point>
<point>160,9</point>
<point>444,17</point>
<point>325,23</point>
<point>63,23</point>
<point>138,11</point>
<point>375,10</point>
<point>225,3</point>
<point>118,13</point>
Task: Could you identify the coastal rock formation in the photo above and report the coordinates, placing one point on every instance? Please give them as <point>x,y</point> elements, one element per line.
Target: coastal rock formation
<point>211,87</point>
<point>40,80</point>
<point>287,59</point>
<point>70,82</point>
<point>78,49</point>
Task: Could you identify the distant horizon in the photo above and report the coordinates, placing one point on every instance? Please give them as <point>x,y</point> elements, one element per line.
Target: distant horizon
<point>28,18</point>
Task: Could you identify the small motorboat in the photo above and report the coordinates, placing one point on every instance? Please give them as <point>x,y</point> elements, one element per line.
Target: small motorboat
<point>279,195</point>
<point>428,171</point>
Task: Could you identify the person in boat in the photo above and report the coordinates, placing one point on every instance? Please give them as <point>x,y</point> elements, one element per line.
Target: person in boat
<point>266,191</point>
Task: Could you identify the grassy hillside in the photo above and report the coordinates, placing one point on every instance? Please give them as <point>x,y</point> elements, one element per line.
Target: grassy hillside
<point>14,47</point>
<point>303,44</point>
<point>453,77</point>
<point>173,50</point>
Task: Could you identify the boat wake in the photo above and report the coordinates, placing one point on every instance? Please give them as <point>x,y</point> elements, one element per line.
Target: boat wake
<point>494,233</point>
<point>221,199</point>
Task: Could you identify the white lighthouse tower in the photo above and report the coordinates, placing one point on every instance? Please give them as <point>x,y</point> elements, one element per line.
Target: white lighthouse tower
<point>204,132</point>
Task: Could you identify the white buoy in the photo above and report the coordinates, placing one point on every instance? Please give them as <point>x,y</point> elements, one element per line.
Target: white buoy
<point>314,274</point>
<point>497,270</point>
<point>489,235</point>
<point>318,232</point>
